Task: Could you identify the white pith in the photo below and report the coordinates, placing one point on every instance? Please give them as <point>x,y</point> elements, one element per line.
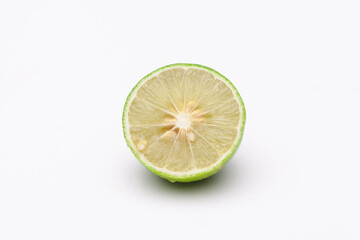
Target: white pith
<point>183,120</point>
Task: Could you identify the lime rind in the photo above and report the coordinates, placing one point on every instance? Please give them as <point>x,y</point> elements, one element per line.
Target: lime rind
<point>186,177</point>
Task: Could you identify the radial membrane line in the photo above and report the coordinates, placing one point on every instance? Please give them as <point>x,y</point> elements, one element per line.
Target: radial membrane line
<point>212,109</point>
<point>167,159</point>
<point>153,144</point>
<point>198,101</point>
<point>213,125</point>
<point>152,125</point>
<point>164,110</point>
<point>184,83</point>
<point>191,151</point>
<point>157,140</point>
<point>167,93</point>
<point>205,140</point>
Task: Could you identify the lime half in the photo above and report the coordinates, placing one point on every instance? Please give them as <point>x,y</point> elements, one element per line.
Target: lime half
<point>184,121</point>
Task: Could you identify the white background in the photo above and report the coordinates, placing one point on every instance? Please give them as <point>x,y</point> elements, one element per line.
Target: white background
<point>66,68</point>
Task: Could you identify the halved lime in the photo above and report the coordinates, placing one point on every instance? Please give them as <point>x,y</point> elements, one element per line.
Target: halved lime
<point>184,121</point>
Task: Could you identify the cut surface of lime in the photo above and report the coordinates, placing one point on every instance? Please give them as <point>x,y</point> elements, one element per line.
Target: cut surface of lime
<point>184,121</point>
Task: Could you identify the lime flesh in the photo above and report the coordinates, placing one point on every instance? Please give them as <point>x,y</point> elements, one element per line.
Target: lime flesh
<point>184,121</point>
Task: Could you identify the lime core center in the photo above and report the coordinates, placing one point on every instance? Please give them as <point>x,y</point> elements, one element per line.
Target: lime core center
<point>183,120</point>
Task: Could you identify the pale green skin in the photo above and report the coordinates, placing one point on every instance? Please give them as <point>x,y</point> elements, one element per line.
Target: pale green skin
<point>189,177</point>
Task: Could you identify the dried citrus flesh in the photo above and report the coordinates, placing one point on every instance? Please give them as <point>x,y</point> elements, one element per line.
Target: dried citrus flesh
<point>184,121</point>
